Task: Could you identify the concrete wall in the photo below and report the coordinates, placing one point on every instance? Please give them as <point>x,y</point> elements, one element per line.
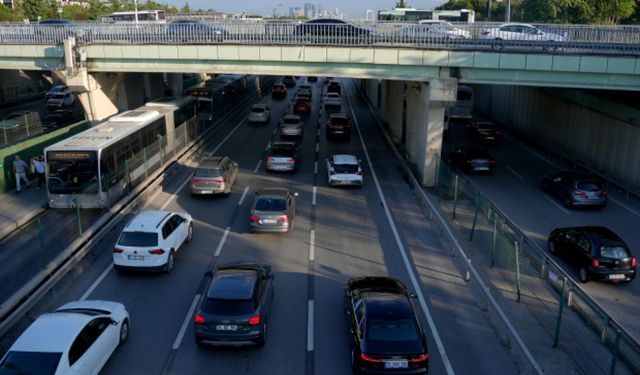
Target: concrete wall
<point>16,86</point>
<point>593,134</point>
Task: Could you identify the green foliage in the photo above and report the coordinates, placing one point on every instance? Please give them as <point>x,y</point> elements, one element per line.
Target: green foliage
<point>32,9</point>
<point>7,14</point>
<point>402,4</point>
<point>185,9</point>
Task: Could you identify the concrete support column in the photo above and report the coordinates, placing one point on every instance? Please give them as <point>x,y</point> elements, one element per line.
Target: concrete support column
<point>130,92</point>
<point>175,83</point>
<point>384,101</point>
<point>258,86</point>
<point>395,102</point>
<point>97,93</point>
<point>153,86</point>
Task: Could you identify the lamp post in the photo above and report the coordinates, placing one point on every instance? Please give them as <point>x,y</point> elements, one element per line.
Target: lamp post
<point>135,10</point>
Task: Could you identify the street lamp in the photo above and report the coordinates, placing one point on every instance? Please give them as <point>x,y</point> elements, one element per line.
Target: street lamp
<point>135,10</point>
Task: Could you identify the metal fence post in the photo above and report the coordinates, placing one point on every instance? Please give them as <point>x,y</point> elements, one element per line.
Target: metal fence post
<point>517,249</point>
<point>146,165</point>
<point>77,203</point>
<point>616,348</point>
<point>455,196</point>
<point>26,123</point>
<point>494,239</point>
<point>559,320</point>
<point>475,216</point>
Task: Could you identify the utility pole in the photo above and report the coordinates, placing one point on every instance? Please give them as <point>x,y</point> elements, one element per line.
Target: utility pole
<point>507,12</point>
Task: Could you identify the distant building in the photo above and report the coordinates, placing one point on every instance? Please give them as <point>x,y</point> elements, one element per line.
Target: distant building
<point>296,12</point>
<point>309,10</point>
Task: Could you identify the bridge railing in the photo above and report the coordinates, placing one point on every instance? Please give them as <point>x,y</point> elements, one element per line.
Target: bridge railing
<point>543,38</point>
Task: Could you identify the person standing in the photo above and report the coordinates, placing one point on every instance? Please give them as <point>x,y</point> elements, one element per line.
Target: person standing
<point>38,166</point>
<point>20,169</point>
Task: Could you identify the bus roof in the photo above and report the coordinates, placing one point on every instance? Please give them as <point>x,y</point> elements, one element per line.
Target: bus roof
<point>170,101</point>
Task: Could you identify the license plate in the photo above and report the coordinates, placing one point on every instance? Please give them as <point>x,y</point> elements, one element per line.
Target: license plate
<point>268,221</point>
<point>482,168</point>
<point>226,327</point>
<point>616,277</point>
<point>345,182</point>
<point>396,364</point>
<point>490,138</point>
<point>207,191</point>
<point>135,257</point>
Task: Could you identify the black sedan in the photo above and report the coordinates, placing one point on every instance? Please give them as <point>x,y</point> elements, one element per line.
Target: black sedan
<point>385,332</point>
<point>483,131</point>
<point>234,309</point>
<point>596,252</point>
<point>329,30</point>
<point>187,30</point>
<point>473,159</point>
<point>575,189</point>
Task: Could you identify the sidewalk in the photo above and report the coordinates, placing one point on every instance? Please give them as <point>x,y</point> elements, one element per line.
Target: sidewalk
<point>17,209</point>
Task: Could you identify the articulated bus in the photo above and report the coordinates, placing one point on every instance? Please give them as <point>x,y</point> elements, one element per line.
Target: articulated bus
<point>96,167</point>
<point>415,15</point>
<point>143,16</point>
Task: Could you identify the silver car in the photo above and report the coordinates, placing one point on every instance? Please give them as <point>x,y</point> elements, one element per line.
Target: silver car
<point>344,170</point>
<point>214,175</point>
<point>520,32</point>
<point>291,126</point>
<point>282,157</point>
<point>260,113</point>
<point>273,210</point>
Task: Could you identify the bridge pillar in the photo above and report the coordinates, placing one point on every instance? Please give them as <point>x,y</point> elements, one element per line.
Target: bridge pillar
<point>395,101</point>
<point>153,86</point>
<point>425,124</point>
<point>175,83</point>
<point>384,101</point>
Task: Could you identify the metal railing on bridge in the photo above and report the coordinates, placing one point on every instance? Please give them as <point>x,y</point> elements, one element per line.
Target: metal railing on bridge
<point>541,38</point>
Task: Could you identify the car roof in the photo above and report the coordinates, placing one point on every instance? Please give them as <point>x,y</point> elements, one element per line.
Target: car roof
<point>283,144</point>
<point>337,115</point>
<point>210,161</point>
<point>326,20</point>
<point>291,117</point>
<point>333,94</point>
<point>273,192</point>
<point>516,24</point>
<point>344,159</point>
<point>233,283</point>
<point>598,233</point>
<point>147,220</point>
<point>259,106</point>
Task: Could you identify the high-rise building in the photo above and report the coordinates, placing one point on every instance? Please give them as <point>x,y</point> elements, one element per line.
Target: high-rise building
<point>309,10</point>
<point>297,12</point>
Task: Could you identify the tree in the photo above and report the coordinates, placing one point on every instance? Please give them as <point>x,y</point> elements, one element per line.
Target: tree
<point>402,4</point>
<point>33,9</point>
<point>186,9</point>
<point>116,5</point>
<point>7,14</point>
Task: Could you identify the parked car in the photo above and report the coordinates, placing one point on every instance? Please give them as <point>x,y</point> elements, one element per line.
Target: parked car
<point>273,210</point>
<point>332,99</point>
<point>334,86</point>
<point>278,91</point>
<point>432,31</point>
<point>193,30</point>
<point>344,170</point>
<point>214,175</point>
<point>596,252</point>
<point>289,81</point>
<point>60,101</point>
<point>151,239</point>
<point>260,113</point>
<point>235,309</point>
<point>302,105</point>
<point>282,157</point>
<point>59,89</point>
<point>483,131</point>
<point>473,159</point>
<point>575,189</point>
<point>60,119</point>
<point>385,333</point>
<point>77,338</point>
<point>291,126</point>
<point>338,125</point>
<point>323,30</point>
<point>519,32</point>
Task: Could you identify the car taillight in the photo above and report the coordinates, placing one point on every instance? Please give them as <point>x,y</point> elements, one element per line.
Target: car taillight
<point>290,160</point>
<point>422,358</point>
<point>117,250</point>
<point>254,218</point>
<point>156,252</point>
<point>366,358</point>
<point>602,193</point>
<point>633,262</point>
<point>219,180</point>
<point>595,263</point>
<point>578,192</point>
<point>270,158</point>
<point>283,219</point>
<point>199,319</point>
<point>254,321</point>
<point>194,180</point>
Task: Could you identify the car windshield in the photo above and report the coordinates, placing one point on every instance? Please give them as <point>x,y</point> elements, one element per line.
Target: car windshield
<point>391,330</point>
<point>138,239</point>
<point>345,168</point>
<point>41,363</point>
<point>271,204</point>
<point>339,121</point>
<point>614,252</point>
<point>257,109</point>
<point>282,151</point>
<point>291,121</point>
<point>589,186</point>
<point>227,306</point>
<point>207,172</point>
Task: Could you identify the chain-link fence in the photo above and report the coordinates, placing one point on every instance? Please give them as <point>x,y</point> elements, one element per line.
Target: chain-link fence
<point>18,126</point>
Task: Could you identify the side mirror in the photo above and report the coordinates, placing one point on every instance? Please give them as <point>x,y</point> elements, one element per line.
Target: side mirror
<point>208,274</point>
<point>413,295</point>
<point>359,160</point>
<point>113,322</point>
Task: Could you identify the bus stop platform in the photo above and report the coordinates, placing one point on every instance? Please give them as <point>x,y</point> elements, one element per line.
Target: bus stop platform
<point>17,209</point>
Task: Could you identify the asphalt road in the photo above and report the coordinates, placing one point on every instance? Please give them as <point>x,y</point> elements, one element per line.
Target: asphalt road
<point>339,234</point>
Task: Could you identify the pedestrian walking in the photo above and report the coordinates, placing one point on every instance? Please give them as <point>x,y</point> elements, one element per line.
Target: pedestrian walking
<point>38,166</point>
<point>20,169</point>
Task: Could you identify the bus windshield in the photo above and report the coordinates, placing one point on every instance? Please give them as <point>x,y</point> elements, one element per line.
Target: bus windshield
<point>72,172</point>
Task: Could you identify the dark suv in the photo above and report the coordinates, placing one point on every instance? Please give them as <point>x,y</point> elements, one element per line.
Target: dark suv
<point>278,91</point>
<point>328,30</point>
<point>483,131</point>
<point>597,252</point>
<point>338,125</point>
<point>575,189</point>
<point>236,304</point>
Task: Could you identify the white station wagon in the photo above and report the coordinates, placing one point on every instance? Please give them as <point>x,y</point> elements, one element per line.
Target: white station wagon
<point>344,170</point>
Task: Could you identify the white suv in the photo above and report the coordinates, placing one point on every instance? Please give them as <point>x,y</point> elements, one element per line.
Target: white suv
<point>150,240</point>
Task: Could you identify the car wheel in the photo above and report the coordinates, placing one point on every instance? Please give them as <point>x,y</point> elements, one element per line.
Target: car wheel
<point>552,247</point>
<point>189,233</point>
<point>568,202</point>
<point>583,274</point>
<point>124,331</point>
<point>170,262</point>
<point>497,44</point>
<point>263,339</point>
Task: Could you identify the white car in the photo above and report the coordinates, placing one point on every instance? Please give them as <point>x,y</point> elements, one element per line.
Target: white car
<point>259,113</point>
<point>291,126</point>
<point>151,239</point>
<point>433,30</point>
<point>519,31</point>
<point>344,170</point>
<point>332,99</point>
<point>78,338</point>
<point>60,89</point>
<point>60,101</point>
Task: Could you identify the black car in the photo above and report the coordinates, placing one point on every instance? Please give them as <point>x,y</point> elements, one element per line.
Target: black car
<point>483,131</point>
<point>323,30</point>
<point>312,79</point>
<point>473,159</point>
<point>60,119</point>
<point>234,309</point>
<point>385,333</point>
<point>278,91</point>
<point>575,189</point>
<point>187,30</point>
<point>596,252</point>
<point>334,86</point>
<point>338,125</point>
<point>289,81</point>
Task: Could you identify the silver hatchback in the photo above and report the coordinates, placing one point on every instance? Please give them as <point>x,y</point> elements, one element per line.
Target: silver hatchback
<point>214,175</point>
<point>291,126</point>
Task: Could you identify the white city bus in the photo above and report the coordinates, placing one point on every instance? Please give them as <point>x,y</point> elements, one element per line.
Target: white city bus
<point>96,167</point>
<point>143,16</point>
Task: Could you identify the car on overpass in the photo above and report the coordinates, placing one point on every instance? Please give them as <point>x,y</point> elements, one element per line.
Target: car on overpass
<point>432,31</point>
<point>327,30</point>
<point>192,30</point>
<point>575,189</point>
<point>523,33</point>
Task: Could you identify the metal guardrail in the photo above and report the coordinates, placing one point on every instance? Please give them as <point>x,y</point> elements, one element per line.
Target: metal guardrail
<point>555,39</point>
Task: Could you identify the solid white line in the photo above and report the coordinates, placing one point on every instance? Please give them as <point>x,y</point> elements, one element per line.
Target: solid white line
<point>313,197</point>
<point>222,241</point>
<point>255,170</point>
<point>624,206</point>
<point>315,167</point>
<point>317,147</point>
<point>185,323</point>
<point>275,131</point>
<point>318,132</point>
<point>556,204</point>
<point>312,245</point>
<point>403,253</point>
<point>515,173</point>
<point>97,282</point>
<point>244,194</point>
<point>310,326</point>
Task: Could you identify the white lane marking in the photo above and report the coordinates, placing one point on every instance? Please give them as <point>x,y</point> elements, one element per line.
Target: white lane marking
<point>313,197</point>
<point>244,194</point>
<point>312,245</point>
<point>515,173</point>
<point>185,323</point>
<point>310,326</point>
<point>556,204</point>
<point>255,170</point>
<point>317,147</point>
<point>275,131</point>
<point>403,253</point>
<point>315,167</point>
<point>97,282</point>
<point>624,206</point>
<point>222,241</point>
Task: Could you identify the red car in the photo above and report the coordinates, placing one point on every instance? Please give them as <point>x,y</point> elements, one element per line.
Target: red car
<point>302,105</point>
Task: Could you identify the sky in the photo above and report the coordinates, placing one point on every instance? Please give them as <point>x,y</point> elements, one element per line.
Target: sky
<point>353,8</point>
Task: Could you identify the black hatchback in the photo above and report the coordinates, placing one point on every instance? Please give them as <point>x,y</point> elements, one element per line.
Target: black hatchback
<point>235,307</point>
<point>385,332</point>
<point>473,159</point>
<point>597,252</point>
<point>575,189</point>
